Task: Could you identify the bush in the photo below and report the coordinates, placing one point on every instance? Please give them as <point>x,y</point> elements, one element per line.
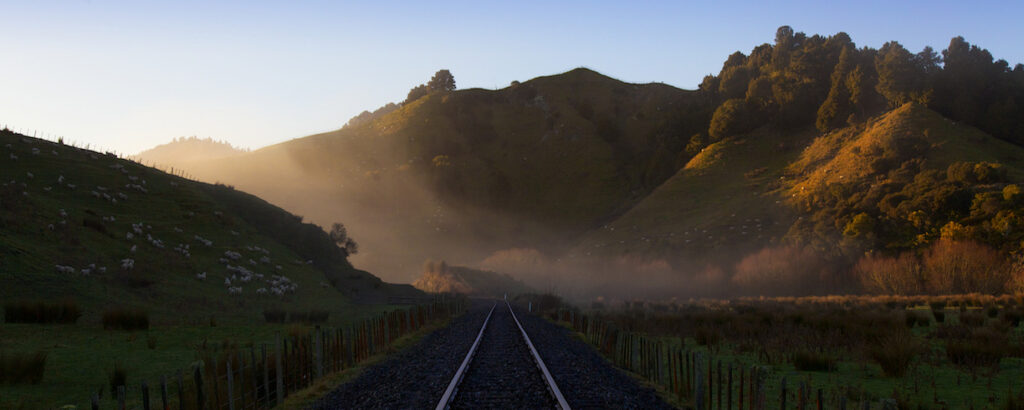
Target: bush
<point>940,316</point>
<point>813,362</point>
<point>972,319</point>
<point>42,312</point>
<point>890,275</point>
<point>274,316</point>
<point>951,266</point>
<point>984,348</point>
<point>912,319</point>
<point>125,319</point>
<point>707,336</point>
<point>17,369</point>
<point>992,311</point>
<point>895,352</point>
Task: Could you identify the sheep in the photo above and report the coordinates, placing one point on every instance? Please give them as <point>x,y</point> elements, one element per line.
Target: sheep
<point>71,186</point>
<point>53,152</point>
<point>60,179</point>
<point>261,291</point>
<point>29,175</point>
<point>137,228</point>
<point>65,269</point>
<point>174,183</point>
<point>47,189</point>
<point>252,262</point>
<point>227,281</point>
<point>201,276</point>
<point>14,157</point>
<point>101,188</point>
<point>234,233</point>
<point>232,255</point>
<point>103,269</point>
<point>50,227</point>
<point>122,196</point>
<point>235,290</point>
<point>265,260</point>
<point>127,264</point>
<point>128,236</point>
<point>178,230</point>
<point>35,151</point>
<point>204,241</point>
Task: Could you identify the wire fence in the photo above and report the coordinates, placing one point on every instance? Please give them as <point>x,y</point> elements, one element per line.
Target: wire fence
<point>263,376</point>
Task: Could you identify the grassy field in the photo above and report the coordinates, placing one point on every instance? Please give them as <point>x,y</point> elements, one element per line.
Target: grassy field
<point>861,348</point>
<point>202,262</point>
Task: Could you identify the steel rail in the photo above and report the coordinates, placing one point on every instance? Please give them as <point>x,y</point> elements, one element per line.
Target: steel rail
<point>552,387</point>
<point>449,393</point>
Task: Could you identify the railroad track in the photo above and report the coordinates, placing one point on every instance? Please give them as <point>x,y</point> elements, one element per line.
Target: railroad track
<point>502,370</point>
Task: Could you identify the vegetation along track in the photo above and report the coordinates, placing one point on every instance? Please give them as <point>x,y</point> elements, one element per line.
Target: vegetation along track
<point>502,369</point>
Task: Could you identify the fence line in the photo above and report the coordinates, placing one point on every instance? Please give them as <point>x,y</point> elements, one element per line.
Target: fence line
<point>61,140</point>
<point>261,377</point>
<point>697,377</point>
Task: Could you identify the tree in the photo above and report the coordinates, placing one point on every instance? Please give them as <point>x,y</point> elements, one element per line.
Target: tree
<point>900,78</point>
<point>416,93</point>
<point>340,237</point>
<point>733,117</point>
<point>443,80</point>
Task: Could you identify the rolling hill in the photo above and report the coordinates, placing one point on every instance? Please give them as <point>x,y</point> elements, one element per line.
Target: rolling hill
<point>105,231</point>
<point>808,142</point>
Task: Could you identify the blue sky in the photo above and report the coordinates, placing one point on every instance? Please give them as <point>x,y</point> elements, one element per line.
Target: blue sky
<point>128,75</point>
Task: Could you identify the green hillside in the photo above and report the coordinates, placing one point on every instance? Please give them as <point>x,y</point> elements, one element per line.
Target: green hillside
<point>109,232</point>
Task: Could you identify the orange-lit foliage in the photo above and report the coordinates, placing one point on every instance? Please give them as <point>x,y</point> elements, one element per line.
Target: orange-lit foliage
<point>949,266</point>
<point>964,266</point>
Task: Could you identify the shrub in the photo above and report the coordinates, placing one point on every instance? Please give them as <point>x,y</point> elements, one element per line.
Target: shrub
<point>895,352</point>
<point>42,312</point>
<point>707,336</point>
<point>951,266</point>
<point>992,311</point>
<point>913,318</point>
<point>890,275</point>
<point>18,369</point>
<point>274,316</point>
<point>984,348</point>
<point>318,316</point>
<point>813,362</point>
<point>1013,317</point>
<point>125,319</point>
<point>972,319</point>
<point>940,316</point>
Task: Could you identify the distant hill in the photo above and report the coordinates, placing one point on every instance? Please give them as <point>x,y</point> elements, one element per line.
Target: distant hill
<point>438,277</point>
<point>101,230</point>
<point>809,142</point>
<point>185,150</point>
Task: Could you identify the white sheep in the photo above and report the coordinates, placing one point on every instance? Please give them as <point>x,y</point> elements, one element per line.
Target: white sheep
<point>14,157</point>
<point>201,276</point>
<point>30,175</point>
<point>127,264</point>
<point>128,236</point>
<point>60,179</point>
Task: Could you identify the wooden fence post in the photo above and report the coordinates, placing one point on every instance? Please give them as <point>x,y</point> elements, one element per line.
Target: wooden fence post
<point>728,400</point>
<point>231,386</point>
<point>318,352</point>
<point>821,400</point>
<point>181,390</point>
<point>95,402</point>
<point>278,374</point>
<point>718,389</point>
<point>145,396</point>
<point>266,375</point>
<point>120,397</point>
<point>782,398</point>
<point>743,381</point>
<point>200,399</point>
<point>699,400</point>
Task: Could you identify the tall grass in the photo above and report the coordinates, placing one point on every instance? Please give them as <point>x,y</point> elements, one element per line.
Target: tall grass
<point>65,312</point>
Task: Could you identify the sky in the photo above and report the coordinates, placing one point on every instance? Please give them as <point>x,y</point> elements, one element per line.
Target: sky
<point>128,75</point>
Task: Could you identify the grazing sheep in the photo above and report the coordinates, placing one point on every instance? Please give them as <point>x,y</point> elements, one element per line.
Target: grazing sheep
<point>127,264</point>
<point>261,291</point>
<point>29,174</point>
<point>232,255</point>
<point>71,186</point>
<point>227,281</point>
<point>204,241</point>
<point>35,151</point>
<point>265,260</point>
<point>14,157</point>
<point>201,276</point>
<point>178,230</point>
<point>128,236</point>
<point>50,227</point>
